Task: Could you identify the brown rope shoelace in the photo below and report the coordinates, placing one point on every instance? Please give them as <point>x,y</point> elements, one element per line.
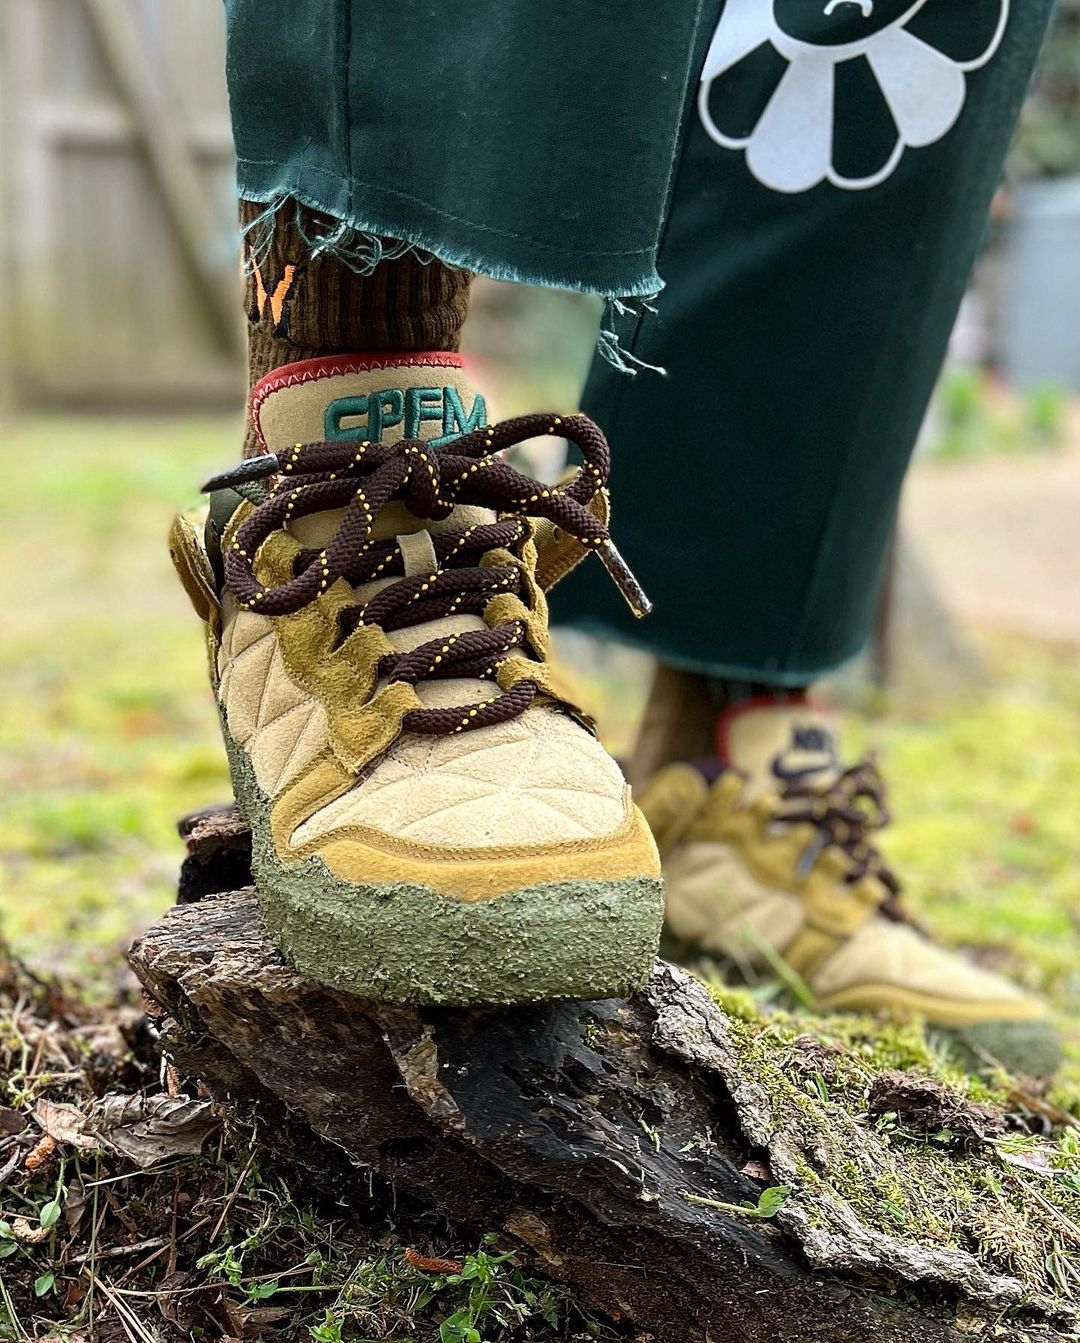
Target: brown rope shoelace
<point>360,479</point>
<point>844,814</point>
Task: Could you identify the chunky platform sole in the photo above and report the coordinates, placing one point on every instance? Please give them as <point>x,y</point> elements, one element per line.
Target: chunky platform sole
<point>1028,1048</point>
<point>406,943</point>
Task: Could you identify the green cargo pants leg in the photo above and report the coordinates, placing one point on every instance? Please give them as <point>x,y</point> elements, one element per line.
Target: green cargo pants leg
<point>529,142</point>
<point>837,167</point>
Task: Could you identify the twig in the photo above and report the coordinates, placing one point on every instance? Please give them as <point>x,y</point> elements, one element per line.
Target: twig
<point>232,1199</point>
<point>1068,1226</point>
<point>131,1174</point>
<point>170,1268</point>
<point>126,1315</point>
<point>7,1171</point>
<point>158,1253</point>
<point>117,1251</point>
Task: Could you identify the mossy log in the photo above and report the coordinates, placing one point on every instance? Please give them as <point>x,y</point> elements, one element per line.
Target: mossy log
<point>622,1145</point>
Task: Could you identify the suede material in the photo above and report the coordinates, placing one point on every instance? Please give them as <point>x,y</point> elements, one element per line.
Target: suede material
<point>770,741</point>
<point>188,555</point>
<point>371,833</point>
<point>534,780</point>
<point>715,902</point>
<point>343,677</point>
<point>738,885</point>
<point>560,553</point>
<point>291,405</point>
<point>911,968</point>
<point>281,727</point>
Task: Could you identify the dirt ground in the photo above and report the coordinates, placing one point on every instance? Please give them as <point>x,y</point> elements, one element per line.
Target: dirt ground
<point>1001,536</point>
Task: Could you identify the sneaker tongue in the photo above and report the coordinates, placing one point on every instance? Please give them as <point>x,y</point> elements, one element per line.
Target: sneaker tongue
<point>382,398</point>
<point>774,742</point>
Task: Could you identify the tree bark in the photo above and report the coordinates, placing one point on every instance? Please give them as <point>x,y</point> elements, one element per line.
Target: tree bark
<point>599,1136</point>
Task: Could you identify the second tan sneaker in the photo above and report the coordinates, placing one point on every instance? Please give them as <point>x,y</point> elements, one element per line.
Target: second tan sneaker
<point>768,853</point>
<point>432,822</point>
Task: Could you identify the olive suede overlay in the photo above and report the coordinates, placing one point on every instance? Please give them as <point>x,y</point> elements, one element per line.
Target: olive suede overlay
<point>343,676</point>
<point>802,334</point>
<point>741,885</point>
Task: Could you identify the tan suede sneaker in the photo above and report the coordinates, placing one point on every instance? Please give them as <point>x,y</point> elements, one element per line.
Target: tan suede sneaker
<point>770,854</point>
<point>432,822</point>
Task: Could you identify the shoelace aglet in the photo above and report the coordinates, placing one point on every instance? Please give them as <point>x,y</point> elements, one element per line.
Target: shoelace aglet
<point>623,578</point>
<point>254,468</point>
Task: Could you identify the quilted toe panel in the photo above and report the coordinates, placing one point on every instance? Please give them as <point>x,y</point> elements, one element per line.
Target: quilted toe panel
<point>540,778</point>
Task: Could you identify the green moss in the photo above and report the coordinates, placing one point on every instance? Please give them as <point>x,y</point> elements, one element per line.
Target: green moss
<point>107,733</point>
<point>991,1202</point>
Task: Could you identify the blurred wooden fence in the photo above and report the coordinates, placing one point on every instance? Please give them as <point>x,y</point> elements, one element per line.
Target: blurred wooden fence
<point>117,216</point>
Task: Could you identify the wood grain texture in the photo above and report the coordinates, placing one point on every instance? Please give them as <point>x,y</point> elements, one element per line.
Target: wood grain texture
<point>578,1130</point>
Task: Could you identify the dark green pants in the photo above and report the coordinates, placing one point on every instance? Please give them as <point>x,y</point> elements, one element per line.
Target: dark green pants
<point>836,165</point>
<point>812,284</point>
<point>527,141</point>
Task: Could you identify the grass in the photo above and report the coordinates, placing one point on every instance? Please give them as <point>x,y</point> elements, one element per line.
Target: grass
<point>986,836</point>
<point>223,1243</point>
<point>106,725</point>
<point>107,732</point>
<point>107,735</point>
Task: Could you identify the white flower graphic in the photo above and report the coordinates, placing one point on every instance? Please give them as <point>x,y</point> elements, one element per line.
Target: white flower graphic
<point>790,148</point>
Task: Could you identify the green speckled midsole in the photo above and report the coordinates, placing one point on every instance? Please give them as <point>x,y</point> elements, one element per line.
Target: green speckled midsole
<point>407,943</point>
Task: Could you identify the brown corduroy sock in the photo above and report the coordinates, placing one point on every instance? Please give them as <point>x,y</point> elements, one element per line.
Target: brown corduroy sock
<point>302,303</point>
<point>679,721</point>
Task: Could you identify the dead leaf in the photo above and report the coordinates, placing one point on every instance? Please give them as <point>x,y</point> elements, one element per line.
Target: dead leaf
<point>149,1129</point>
<point>1038,1161</point>
<point>924,1105</point>
<point>263,1315</point>
<point>9,1166</point>
<point>64,1124</point>
<point>1040,1106</point>
<point>75,1204</point>
<point>758,1170</point>
<point>426,1265</point>
<point>812,1056</point>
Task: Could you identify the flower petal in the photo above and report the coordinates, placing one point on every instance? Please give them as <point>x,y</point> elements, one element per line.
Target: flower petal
<point>791,148</point>
<point>744,25</point>
<point>924,89</point>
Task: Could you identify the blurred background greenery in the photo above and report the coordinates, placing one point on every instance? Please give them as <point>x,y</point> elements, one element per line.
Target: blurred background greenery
<point>107,731</point>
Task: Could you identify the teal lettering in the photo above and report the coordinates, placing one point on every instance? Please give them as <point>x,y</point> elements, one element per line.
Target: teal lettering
<point>415,406</point>
<point>383,411</point>
<point>421,403</point>
<point>344,408</point>
<point>455,421</point>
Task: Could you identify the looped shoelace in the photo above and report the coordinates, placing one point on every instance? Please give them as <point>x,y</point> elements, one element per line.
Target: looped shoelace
<point>845,812</point>
<point>360,479</point>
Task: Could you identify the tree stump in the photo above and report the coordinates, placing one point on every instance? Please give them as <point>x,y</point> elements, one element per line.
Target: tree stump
<point>620,1144</point>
